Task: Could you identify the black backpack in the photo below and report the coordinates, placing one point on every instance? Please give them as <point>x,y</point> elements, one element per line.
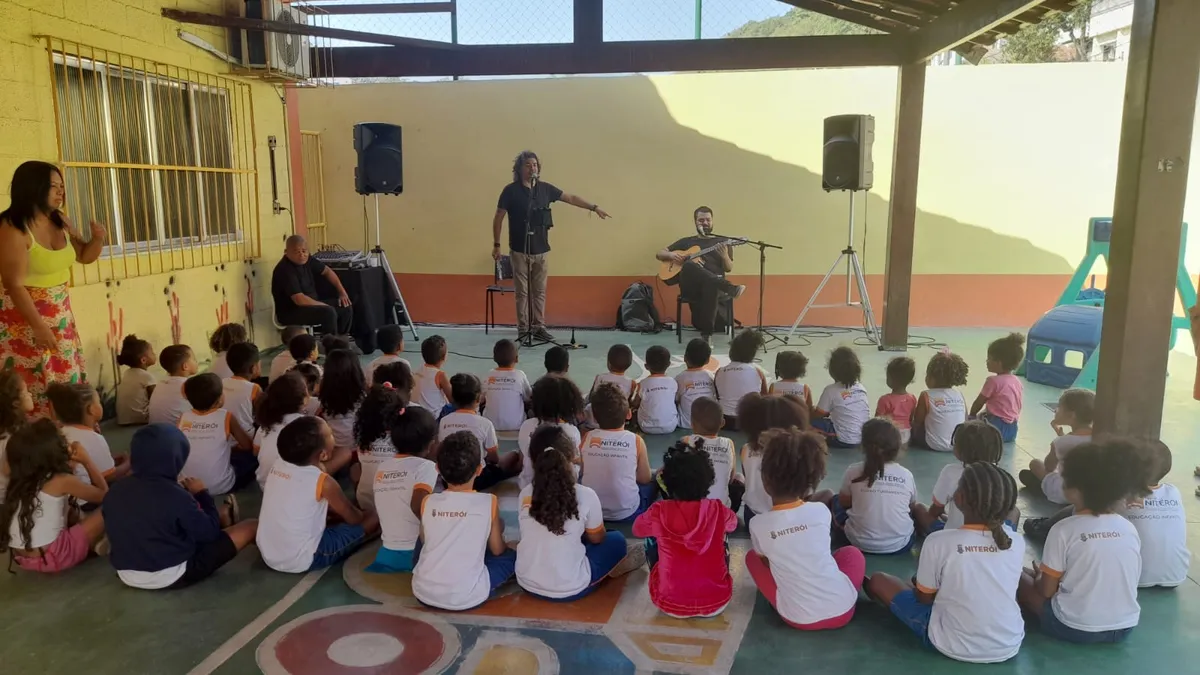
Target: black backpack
<point>637,312</point>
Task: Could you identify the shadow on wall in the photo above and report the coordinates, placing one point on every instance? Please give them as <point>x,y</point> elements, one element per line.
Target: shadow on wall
<point>614,140</point>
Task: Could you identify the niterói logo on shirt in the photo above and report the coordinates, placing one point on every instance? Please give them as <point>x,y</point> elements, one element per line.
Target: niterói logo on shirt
<point>449,514</point>
<point>775,534</point>
<point>1088,536</point>
<point>989,548</point>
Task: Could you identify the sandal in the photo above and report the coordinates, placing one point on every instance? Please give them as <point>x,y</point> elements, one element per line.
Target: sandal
<point>235,511</point>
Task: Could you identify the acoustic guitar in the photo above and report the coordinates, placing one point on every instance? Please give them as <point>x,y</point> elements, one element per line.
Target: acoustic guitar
<point>669,269</point>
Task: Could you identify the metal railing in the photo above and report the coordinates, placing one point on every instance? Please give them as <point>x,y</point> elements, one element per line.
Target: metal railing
<point>314,189</point>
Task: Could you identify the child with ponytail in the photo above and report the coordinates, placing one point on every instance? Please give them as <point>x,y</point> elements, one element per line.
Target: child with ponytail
<point>964,600</point>
<point>400,483</point>
<point>565,551</point>
<point>875,505</point>
<point>133,392</point>
<point>372,429</point>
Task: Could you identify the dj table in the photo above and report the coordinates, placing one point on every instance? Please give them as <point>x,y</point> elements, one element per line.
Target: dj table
<point>375,305</point>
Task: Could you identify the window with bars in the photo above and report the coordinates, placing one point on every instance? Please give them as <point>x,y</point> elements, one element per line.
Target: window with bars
<point>163,156</point>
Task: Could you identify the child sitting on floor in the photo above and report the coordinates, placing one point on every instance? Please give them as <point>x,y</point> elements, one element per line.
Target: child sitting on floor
<point>342,391</point>
<point>790,366</point>
<point>898,406</point>
<point>400,484</point>
<point>974,441</point>
<point>432,391</point>
<point>707,420</point>
<point>283,361</point>
<point>843,407</point>
<point>304,349</point>
<point>15,405</point>
<point>941,407</point>
<point>164,532</point>
<point>463,558</point>
<point>506,390</point>
<point>791,562</point>
<point>875,505</point>
<point>77,409</point>
<point>283,404</point>
<point>212,431</point>
<point>620,360</point>
<point>1000,398</point>
<point>557,361</point>
<point>685,539</point>
<point>1076,407</point>
<point>1161,524</point>
<point>137,384</point>
<point>696,381</point>
<point>390,340</point>
<point>614,461</point>
<point>167,402</point>
<point>1085,590</point>
<point>241,393</point>
<point>312,380</point>
<point>39,522</point>
<point>657,413</point>
<point>226,336</point>
<point>556,400</point>
<point>565,552</point>
<point>759,413</point>
<point>741,376</point>
<point>293,534</point>
<point>963,604</point>
<point>466,392</point>
<point>372,434</point>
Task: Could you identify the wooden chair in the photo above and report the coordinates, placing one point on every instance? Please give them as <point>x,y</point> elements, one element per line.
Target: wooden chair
<point>503,273</point>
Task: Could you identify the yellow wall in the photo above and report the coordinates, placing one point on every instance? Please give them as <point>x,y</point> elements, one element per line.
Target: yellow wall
<point>135,27</point>
<point>1014,161</point>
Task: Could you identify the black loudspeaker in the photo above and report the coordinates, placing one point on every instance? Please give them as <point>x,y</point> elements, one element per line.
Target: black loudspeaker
<point>380,167</point>
<point>847,163</point>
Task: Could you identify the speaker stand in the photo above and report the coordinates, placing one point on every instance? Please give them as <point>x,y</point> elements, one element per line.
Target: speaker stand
<point>381,260</point>
<point>854,277</point>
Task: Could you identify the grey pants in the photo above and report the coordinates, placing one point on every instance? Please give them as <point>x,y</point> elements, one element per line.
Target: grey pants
<point>529,278</point>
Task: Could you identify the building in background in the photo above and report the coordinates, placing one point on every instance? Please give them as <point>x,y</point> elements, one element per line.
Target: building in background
<point>1110,25</point>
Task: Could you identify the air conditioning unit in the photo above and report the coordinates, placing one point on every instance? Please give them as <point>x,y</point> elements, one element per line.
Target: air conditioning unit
<point>281,56</point>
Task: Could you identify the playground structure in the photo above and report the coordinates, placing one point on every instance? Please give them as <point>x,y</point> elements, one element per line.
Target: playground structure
<point>1064,345</point>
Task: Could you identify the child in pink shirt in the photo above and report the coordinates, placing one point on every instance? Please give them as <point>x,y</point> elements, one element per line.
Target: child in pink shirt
<point>898,406</point>
<point>999,402</point>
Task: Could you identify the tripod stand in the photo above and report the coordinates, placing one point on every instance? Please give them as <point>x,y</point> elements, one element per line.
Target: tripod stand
<point>854,277</point>
<point>378,258</point>
<point>530,338</point>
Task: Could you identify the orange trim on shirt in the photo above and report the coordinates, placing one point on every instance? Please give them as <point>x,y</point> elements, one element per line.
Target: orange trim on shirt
<point>788,506</point>
<point>422,486</point>
<point>526,501</point>
<point>423,500</point>
<point>641,447</point>
<point>320,484</point>
<point>228,424</point>
<point>1156,486</point>
<point>926,589</point>
<point>255,392</point>
<point>1050,571</point>
<point>495,507</point>
<point>976,527</point>
<point>595,530</point>
<point>508,369</point>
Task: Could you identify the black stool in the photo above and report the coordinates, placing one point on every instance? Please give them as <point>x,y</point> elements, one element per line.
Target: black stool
<point>679,300</point>
<point>502,273</point>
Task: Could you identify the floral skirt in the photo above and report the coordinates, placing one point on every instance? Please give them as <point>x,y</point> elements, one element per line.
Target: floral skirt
<point>38,367</point>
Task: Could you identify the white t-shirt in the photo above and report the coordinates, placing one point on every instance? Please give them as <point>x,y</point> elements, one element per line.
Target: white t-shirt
<point>386,359</point>
<point>211,437</point>
<point>756,496</point>
<point>610,461</point>
<point>282,363</point>
<point>525,433</point>
<point>240,396</point>
<point>167,402</point>
<point>658,414</point>
<point>848,409</point>
<point>469,420</point>
<point>692,384</point>
<point>721,451</point>
<point>556,565</point>
<point>947,409</point>
<point>1063,445</point>
<point>96,447</point>
<point>1098,562</point>
<point>220,366</point>
<point>795,539</point>
<point>342,427</point>
<point>133,399</point>
<point>394,483</point>
<point>266,447</point>
<point>1162,528</point>
<point>880,516</point>
<point>427,392</point>
<point>292,518</point>
<point>152,581</point>
<point>625,384</point>
<point>505,392</point>
<point>975,614</point>
<point>450,573</point>
<point>312,407</point>
<point>381,450</point>
<point>792,388</point>
<point>943,493</point>
<point>734,381</point>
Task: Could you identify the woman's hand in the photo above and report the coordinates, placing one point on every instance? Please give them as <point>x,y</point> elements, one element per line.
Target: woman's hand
<point>44,337</point>
<point>99,231</point>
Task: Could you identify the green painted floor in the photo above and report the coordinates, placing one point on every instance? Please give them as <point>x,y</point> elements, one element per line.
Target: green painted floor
<point>86,621</point>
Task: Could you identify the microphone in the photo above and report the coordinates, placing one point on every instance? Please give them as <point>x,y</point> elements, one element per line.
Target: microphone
<point>533,179</point>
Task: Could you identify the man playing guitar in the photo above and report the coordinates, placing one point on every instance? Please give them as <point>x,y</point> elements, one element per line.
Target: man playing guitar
<point>702,279</point>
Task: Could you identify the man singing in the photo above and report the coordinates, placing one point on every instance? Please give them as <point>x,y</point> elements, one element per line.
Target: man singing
<point>702,281</point>
<point>528,237</point>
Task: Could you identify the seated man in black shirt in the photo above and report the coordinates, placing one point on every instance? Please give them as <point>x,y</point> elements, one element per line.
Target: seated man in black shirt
<point>294,287</point>
<point>702,280</point>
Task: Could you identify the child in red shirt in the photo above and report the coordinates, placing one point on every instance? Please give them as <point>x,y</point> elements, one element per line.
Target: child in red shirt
<point>685,539</point>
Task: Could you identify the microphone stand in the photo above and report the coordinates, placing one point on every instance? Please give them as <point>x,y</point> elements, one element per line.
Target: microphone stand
<point>528,339</point>
<point>762,246</point>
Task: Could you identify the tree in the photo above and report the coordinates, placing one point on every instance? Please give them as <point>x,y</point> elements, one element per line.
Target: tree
<point>799,22</point>
<point>1039,43</point>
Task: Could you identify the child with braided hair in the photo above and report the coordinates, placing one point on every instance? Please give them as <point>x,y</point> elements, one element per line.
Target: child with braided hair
<point>791,562</point>
<point>974,441</point>
<point>964,600</point>
<point>941,407</point>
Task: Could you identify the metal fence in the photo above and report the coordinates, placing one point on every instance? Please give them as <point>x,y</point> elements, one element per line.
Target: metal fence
<point>314,188</point>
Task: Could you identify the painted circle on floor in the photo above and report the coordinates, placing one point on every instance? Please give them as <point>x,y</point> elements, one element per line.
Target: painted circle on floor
<point>385,640</point>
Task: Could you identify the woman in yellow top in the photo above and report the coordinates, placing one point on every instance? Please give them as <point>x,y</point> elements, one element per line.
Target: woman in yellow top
<point>38,246</point>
